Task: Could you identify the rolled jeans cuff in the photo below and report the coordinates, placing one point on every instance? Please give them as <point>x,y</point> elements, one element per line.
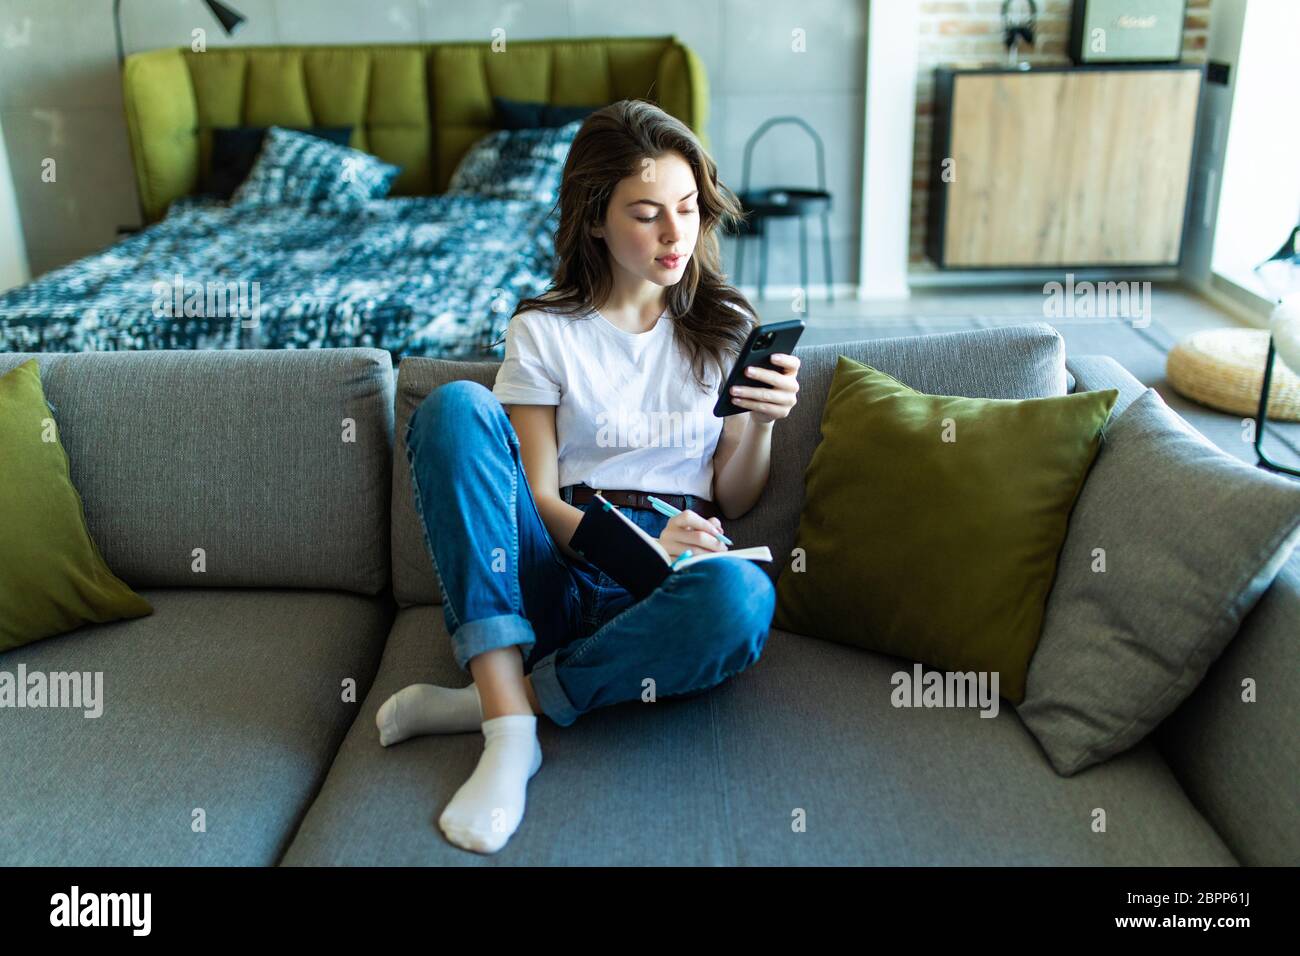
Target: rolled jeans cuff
<point>551,697</point>
<point>473,638</point>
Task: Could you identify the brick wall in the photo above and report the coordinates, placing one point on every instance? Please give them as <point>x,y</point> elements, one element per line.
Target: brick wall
<point>968,33</point>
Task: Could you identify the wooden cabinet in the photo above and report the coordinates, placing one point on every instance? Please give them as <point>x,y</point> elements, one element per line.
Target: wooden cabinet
<point>1074,166</point>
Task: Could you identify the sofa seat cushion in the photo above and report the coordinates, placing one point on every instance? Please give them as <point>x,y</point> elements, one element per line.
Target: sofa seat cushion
<point>812,725</point>
<point>380,806</point>
<point>717,778</point>
<point>228,700</point>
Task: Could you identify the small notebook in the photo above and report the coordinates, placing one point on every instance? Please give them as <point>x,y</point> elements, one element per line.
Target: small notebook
<point>622,549</point>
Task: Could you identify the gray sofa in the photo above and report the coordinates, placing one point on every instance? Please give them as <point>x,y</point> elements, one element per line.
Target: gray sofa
<point>228,735</point>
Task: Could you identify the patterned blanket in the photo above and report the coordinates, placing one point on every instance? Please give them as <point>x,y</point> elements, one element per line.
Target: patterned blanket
<point>433,276</point>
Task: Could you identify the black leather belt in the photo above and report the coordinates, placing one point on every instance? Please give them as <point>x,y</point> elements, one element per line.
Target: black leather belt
<point>581,494</point>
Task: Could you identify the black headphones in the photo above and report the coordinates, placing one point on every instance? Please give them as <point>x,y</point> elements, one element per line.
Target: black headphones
<point>1019,28</point>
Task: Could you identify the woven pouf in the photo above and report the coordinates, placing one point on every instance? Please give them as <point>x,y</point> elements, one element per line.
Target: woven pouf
<point>1224,369</point>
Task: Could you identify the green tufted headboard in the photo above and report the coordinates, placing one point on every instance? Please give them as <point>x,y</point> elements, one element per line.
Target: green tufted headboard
<point>419,105</point>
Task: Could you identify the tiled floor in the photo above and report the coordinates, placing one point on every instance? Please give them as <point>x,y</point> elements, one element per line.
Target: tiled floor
<point>1175,308</point>
<point>1174,313</point>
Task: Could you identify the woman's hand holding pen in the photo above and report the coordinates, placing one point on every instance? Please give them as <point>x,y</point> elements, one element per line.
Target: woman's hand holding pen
<point>687,531</point>
<point>767,403</point>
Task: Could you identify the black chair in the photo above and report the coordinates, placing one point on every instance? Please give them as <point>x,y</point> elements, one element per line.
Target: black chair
<point>783,202</point>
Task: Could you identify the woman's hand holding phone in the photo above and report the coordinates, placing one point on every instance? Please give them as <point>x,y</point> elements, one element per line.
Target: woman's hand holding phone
<point>775,399</point>
<point>688,531</point>
<point>762,380</point>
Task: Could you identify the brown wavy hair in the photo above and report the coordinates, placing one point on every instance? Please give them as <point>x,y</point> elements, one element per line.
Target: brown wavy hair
<point>711,317</point>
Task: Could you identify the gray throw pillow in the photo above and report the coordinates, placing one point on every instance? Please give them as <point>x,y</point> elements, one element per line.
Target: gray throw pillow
<point>1189,538</point>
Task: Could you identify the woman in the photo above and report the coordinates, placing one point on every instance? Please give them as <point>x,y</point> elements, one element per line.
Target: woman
<point>608,383</point>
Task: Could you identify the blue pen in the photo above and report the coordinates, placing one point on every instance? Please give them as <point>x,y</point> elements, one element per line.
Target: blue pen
<point>664,508</point>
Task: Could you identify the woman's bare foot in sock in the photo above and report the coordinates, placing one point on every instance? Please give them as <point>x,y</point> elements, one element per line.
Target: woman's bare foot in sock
<point>433,709</point>
<point>428,709</point>
<point>489,806</point>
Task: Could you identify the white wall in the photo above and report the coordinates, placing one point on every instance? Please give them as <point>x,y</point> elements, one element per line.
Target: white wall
<point>887,153</point>
<point>13,252</point>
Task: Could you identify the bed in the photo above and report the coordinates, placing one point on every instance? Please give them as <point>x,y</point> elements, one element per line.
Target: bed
<point>420,273</point>
<point>417,275</point>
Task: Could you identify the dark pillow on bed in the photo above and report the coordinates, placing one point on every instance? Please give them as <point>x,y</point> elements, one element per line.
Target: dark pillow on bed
<point>235,149</point>
<point>517,114</point>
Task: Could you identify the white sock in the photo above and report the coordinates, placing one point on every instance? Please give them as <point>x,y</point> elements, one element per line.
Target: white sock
<point>428,709</point>
<point>489,806</point>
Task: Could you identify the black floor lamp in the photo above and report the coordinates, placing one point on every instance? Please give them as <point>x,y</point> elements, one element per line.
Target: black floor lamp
<point>228,18</point>
<point>1280,274</point>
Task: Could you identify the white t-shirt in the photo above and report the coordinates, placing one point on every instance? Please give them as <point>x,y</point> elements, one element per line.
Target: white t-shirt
<point>630,414</point>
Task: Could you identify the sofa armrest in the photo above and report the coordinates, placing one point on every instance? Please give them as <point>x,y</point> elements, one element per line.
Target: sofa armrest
<point>1093,372</point>
<point>1238,762</point>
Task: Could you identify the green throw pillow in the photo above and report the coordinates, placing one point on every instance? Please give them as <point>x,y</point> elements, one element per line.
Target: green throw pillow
<point>932,524</point>
<point>52,576</point>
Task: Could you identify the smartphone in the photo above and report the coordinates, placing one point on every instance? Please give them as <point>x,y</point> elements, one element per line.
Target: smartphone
<point>774,338</point>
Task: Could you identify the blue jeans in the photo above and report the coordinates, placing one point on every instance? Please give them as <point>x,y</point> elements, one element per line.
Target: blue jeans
<point>584,639</point>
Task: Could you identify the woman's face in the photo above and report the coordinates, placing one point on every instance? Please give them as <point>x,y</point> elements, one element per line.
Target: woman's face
<point>653,221</point>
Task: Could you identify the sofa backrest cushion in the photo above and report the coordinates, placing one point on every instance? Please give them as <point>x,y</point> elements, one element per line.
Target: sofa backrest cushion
<point>1023,361</point>
<point>276,463</point>
<point>414,578</point>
